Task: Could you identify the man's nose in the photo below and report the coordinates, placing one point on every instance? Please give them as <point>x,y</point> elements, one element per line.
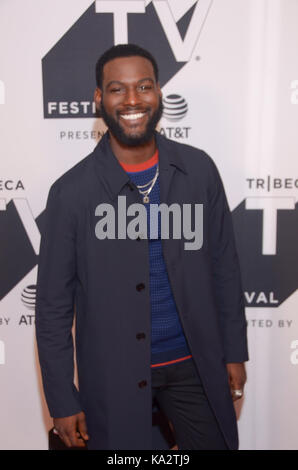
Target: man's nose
<point>132,97</point>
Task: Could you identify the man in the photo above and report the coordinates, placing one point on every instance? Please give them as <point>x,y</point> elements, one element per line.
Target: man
<point>153,319</point>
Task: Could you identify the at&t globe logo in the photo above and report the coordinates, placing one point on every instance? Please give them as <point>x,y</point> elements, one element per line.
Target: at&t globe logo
<point>175,107</point>
<point>28,297</point>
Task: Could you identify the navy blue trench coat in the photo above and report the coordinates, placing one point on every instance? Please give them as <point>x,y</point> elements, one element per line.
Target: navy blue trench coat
<point>98,283</point>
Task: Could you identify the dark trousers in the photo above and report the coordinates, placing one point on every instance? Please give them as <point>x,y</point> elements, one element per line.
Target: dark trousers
<point>178,390</point>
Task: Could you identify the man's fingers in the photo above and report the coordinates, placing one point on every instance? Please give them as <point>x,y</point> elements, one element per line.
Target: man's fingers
<point>235,396</point>
<point>71,437</point>
<point>237,389</point>
<point>75,441</point>
<point>72,429</point>
<point>82,426</point>
<point>237,379</point>
<point>63,436</point>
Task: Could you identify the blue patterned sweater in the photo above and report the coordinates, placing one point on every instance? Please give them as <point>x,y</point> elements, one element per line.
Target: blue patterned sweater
<point>168,343</point>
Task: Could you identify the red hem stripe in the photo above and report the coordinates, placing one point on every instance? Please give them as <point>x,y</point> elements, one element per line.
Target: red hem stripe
<point>140,166</point>
<point>171,362</point>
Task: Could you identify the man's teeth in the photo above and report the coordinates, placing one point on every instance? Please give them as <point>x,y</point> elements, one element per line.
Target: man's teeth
<point>132,116</point>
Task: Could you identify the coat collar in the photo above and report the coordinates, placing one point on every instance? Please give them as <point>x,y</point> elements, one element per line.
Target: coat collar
<point>114,176</point>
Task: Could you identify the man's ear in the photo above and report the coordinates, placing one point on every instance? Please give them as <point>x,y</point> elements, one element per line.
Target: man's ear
<point>97,96</point>
<point>159,90</point>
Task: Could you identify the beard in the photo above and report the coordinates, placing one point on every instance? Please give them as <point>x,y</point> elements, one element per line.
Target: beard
<point>132,140</point>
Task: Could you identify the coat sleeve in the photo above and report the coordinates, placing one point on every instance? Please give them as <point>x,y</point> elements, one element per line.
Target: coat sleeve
<point>226,272</point>
<point>56,282</point>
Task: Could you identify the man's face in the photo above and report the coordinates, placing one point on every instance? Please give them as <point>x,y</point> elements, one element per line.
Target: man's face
<point>130,99</point>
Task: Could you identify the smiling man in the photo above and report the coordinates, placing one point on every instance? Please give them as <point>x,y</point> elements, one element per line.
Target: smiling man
<point>153,320</point>
<point>131,107</point>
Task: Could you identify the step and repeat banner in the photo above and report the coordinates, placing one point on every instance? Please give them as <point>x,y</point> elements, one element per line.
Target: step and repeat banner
<point>229,77</point>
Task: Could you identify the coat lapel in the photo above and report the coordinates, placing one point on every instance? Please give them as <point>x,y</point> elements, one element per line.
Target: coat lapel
<point>169,162</point>
<point>108,169</point>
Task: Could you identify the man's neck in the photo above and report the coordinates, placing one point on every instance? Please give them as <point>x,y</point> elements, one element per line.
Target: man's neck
<point>132,155</point>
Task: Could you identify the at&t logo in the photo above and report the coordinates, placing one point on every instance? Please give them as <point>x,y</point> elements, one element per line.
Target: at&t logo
<point>28,297</point>
<point>175,109</point>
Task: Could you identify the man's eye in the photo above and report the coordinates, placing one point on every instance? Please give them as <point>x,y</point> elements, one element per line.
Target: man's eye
<point>116,90</point>
<point>145,87</point>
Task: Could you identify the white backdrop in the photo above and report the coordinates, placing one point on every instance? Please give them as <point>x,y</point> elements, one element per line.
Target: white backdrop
<point>241,87</point>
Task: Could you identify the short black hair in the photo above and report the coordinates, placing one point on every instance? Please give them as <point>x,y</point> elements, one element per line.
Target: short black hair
<point>122,50</point>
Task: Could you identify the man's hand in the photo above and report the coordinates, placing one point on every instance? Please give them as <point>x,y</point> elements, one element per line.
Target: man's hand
<point>237,378</point>
<point>72,430</point>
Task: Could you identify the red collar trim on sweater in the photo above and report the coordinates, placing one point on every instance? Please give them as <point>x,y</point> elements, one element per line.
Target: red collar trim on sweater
<point>140,166</point>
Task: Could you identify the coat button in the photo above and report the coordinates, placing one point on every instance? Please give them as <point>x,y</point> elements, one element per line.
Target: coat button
<point>142,384</point>
<point>140,336</point>
<point>140,287</point>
